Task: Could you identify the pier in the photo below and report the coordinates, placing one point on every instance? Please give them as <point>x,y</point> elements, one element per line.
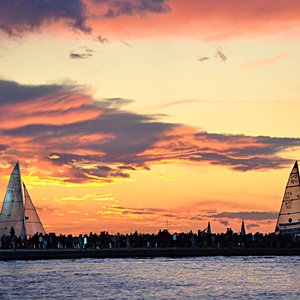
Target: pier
<point>41,254</point>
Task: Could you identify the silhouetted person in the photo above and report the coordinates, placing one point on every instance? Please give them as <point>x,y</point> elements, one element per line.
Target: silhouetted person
<point>174,239</point>
<point>80,242</point>
<point>12,232</point>
<point>85,241</point>
<point>14,242</point>
<point>41,241</point>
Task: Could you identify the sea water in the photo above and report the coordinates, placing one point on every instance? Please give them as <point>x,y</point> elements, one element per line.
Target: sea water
<point>157,278</point>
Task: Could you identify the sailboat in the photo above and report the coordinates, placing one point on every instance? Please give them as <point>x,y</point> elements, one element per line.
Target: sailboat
<point>289,215</point>
<point>243,230</point>
<point>208,229</point>
<point>18,210</point>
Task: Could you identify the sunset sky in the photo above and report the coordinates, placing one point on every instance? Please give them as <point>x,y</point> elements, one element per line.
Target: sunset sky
<point>130,114</point>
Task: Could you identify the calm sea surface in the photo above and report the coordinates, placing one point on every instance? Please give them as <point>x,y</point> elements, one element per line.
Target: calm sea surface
<point>158,278</point>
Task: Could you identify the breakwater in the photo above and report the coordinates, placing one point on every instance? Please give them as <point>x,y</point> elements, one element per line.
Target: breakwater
<point>40,254</point>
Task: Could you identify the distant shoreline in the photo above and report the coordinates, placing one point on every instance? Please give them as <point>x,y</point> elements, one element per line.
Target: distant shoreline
<point>45,254</point>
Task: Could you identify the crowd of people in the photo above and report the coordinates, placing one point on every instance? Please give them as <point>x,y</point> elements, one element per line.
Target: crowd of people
<point>162,239</point>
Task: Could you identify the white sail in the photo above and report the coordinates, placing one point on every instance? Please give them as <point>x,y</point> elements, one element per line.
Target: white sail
<point>33,222</point>
<point>289,216</point>
<point>12,214</point>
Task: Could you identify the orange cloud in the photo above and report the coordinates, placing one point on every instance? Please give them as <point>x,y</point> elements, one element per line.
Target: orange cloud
<point>207,20</point>
<point>70,138</point>
<point>57,109</point>
<point>204,19</point>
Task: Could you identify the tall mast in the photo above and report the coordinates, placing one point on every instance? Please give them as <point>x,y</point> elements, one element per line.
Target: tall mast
<point>23,204</point>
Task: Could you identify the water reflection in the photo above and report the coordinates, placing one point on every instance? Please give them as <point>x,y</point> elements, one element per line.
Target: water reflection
<point>159,278</point>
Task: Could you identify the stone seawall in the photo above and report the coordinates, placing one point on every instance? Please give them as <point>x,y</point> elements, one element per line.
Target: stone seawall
<point>35,254</point>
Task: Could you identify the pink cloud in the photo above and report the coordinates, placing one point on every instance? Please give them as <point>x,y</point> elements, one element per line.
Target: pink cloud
<point>264,62</point>
<point>70,137</point>
<point>56,109</point>
<point>208,20</point>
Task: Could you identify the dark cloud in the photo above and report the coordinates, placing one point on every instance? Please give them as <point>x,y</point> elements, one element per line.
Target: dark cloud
<point>126,43</point>
<point>252,225</point>
<point>115,8</point>
<point>225,223</point>
<point>255,162</point>
<point>246,215</point>
<point>115,103</point>
<point>102,40</point>
<point>83,55</point>
<point>198,218</point>
<point>140,211</point>
<point>18,16</point>
<point>220,54</point>
<point>252,153</point>
<point>82,171</point>
<point>3,147</point>
<point>130,168</point>
<point>100,140</point>
<point>13,92</point>
<point>137,213</point>
<point>203,58</point>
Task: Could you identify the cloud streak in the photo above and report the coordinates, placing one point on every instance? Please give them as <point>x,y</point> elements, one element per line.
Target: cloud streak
<point>116,8</point>
<point>219,54</point>
<point>265,62</point>
<point>84,53</point>
<point>102,40</point>
<point>249,226</point>
<point>203,58</point>
<point>246,215</point>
